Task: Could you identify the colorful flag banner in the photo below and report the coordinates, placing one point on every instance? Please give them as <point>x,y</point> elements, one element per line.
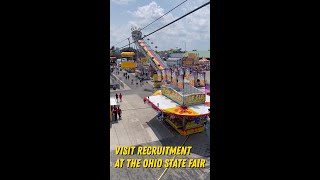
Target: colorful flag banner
<point>163,75</point>
<point>201,78</point>
<point>180,82</point>
<point>159,75</point>
<point>174,78</point>
<point>181,71</point>
<point>188,74</point>
<point>191,79</point>
<point>169,75</point>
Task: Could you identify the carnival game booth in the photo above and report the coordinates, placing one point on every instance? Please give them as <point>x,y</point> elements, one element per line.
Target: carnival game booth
<point>186,113</point>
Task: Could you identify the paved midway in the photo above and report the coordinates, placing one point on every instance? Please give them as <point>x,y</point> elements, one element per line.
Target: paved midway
<point>139,126</point>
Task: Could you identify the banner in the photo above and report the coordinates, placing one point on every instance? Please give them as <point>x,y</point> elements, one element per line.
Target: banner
<point>159,75</point>
<point>172,94</point>
<point>174,78</point>
<point>195,99</point>
<point>180,82</point>
<point>163,75</point>
<point>127,54</point>
<point>195,76</point>
<point>180,71</point>
<point>188,74</point>
<point>191,79</point>
<point>201,78</point>
<point>128,65</point>
<point>169,75</point>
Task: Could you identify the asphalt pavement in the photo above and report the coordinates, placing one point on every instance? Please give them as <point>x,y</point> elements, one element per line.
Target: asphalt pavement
<point>144,90</point>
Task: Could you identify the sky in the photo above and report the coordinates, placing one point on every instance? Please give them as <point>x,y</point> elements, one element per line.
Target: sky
<point>193,30</point>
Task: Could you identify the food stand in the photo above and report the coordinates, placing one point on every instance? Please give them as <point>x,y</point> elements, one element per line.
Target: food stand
<point>186,113</point>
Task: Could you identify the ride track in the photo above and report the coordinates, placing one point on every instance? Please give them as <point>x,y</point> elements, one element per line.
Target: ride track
<point>151,54</point>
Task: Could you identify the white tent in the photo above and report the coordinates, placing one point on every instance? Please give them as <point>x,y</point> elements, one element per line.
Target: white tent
<point>113,102</point>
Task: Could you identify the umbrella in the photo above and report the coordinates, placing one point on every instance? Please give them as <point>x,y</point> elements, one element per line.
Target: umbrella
<point>181,111</point>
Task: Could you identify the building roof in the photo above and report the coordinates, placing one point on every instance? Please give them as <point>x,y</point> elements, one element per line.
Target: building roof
<point>201,54</point>
<point>173,59</point>
<point>176,55</point>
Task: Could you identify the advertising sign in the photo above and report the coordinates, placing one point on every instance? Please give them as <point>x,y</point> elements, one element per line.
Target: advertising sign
<point>172,94</point>
<point>127,54</point>
<point>195,99</point>
<point>128,65</point>
<point>187,61</point>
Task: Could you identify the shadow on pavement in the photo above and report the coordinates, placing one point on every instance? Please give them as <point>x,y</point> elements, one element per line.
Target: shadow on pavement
<point>200,142</point>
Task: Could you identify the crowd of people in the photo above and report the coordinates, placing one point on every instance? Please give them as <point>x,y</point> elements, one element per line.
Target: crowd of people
<point>116,110</point>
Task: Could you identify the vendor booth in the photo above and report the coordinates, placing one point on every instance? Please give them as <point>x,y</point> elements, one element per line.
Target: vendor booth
<point>186,113</point>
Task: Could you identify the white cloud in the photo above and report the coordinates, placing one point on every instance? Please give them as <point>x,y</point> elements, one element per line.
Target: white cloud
<point>193,29</point>
<point>122,2</point>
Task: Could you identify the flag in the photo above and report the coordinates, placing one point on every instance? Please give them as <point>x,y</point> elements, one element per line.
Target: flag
<point>188,74</point>
<point>180,82</point>
<point>201,78</point>
<point>159,75</point>
<point>163,75</point>
<point>181,71</point>
<point>191,82</point>
<point>169,75</point>
<point>174,78</point>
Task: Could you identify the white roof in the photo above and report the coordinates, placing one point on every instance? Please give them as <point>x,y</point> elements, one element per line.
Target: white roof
<point>113,101</point>
<point>165,103</point>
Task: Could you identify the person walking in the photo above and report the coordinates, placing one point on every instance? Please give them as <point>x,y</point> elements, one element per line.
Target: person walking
<point>115,114</point>
<point>119,112</point>
<point>120,96</point>
<point>117,97</point>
